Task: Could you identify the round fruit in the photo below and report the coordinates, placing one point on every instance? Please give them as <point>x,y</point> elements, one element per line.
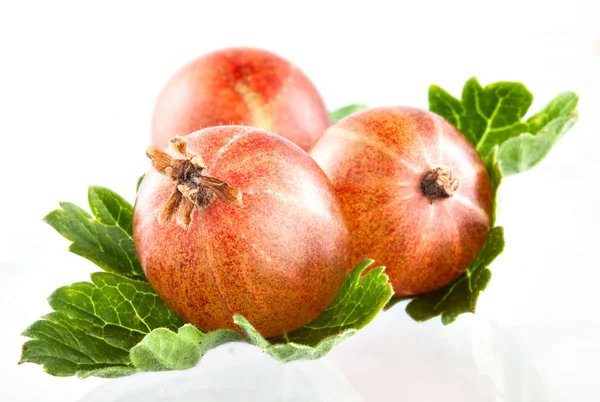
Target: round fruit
<point>415,193</point>
<point>237,220</point>
<point>240,86</point>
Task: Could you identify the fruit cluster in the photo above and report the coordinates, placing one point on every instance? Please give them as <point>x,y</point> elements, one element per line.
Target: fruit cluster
<point>265,209</point>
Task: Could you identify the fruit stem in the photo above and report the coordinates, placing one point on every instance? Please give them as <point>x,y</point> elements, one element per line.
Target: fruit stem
<point>438,184</point>
<point>193,189</point>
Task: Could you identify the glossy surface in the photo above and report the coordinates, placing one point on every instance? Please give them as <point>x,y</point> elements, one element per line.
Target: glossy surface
<point>240,86</point>
<point>278,259</point>
<point>375,160</point>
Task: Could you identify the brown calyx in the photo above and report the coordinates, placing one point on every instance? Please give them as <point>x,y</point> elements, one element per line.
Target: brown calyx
<point>193,189</point>
<point>438,184</point>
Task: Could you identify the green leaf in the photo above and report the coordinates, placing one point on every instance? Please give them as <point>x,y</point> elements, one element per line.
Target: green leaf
<point>108,372</point>
<point>117,326</point>
<point>495,173</point>
<point>492,119</point>
<point>139,182</point>
<point>342,112</point>
<point>106,237</point>
<point>493,116</point>
<point>563,105</point>
<point>287,352</point>
<point>546,128</point>
<point>94,325</point>
<point>461,295</point>
<point>163,349</point>
<point>357,303</point>
<point>486,116</point>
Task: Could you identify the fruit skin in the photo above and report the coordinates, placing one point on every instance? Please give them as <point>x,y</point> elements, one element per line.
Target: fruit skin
<point>375,160</point>
<point>279,259</point>
<point>240,86</point>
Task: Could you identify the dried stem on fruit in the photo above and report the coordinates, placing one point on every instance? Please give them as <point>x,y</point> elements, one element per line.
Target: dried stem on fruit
<point>192,189</point>
<point>438,184</point>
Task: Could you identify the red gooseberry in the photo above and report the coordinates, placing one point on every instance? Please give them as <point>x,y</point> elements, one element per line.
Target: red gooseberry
<point>240,86</point>
<point>415,194</point>
<point>237,220</point>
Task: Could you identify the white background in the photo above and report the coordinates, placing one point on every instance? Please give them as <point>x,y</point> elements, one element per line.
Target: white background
<point>78,81</point>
